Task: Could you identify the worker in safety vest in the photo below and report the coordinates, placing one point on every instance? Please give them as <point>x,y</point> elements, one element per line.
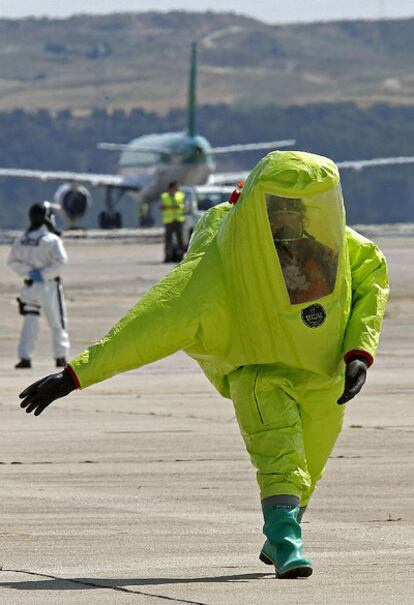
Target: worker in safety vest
<point>173,217</point>
<point>281,304</point>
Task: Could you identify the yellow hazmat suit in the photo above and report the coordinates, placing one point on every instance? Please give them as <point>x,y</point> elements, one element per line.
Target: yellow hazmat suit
<point>273,294</point>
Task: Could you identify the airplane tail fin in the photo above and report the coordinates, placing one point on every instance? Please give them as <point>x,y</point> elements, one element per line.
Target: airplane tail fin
<point>191,124</point>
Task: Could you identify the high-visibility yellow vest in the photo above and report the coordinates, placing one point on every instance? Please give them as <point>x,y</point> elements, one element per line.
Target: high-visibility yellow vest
<point>174,207</point>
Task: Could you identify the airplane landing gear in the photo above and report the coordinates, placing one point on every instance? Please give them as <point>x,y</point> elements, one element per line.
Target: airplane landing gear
<point>109,219</point>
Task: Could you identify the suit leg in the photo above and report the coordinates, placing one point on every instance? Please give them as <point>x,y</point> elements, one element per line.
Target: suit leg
<point>55,313</point>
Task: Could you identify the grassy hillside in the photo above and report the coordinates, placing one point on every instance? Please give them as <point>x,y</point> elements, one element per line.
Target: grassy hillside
<point>141,60</point>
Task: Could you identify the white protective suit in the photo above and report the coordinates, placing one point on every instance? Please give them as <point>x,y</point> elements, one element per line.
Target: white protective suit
<point>42,250</point>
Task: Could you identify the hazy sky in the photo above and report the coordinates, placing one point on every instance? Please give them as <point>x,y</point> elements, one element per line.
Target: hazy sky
<point>275,11</point>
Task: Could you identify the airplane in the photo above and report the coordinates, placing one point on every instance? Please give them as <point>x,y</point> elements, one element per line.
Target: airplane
<point>148,163</point>
<point>146,166</point>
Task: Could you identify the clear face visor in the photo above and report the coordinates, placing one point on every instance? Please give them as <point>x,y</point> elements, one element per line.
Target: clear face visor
<point>307,234</point>
<point>285,217</point>
<point>286,225</point>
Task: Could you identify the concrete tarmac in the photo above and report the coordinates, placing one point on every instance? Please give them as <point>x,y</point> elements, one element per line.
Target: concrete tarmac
<point>139,490</point>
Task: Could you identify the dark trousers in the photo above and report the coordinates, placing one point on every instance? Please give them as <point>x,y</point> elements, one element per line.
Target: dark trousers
<point>173,241</point>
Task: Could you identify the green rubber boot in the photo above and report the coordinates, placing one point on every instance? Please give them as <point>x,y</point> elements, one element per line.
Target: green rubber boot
<point>283,547</point>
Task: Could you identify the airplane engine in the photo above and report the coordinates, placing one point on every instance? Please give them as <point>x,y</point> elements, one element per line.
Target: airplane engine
<point>74,201</point>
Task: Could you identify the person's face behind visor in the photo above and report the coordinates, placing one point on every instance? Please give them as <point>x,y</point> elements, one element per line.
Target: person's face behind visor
<point>285,217</point>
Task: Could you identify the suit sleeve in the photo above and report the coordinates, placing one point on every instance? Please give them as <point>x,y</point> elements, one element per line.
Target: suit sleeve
<point>163,322</point>
<point>16,264</point>
<point>169,317</point>
<point>56,260</point>
<point>370,290</point>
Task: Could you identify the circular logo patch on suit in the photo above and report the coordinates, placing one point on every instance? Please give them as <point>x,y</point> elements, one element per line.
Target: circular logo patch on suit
<point>313,316</point>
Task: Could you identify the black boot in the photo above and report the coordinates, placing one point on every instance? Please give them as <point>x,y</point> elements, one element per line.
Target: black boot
<point>61,362</point>
<point>23,363</point>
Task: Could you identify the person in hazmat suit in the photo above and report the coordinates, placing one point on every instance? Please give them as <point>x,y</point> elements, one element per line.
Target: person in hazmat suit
<point>38,257</point>
<point>281,305</point>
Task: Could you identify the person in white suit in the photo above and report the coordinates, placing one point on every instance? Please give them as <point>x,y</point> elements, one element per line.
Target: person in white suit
<point>38,256</point>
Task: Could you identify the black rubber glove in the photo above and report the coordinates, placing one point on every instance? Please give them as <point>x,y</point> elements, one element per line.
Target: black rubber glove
<point>355,377</point>
<point>40,394</point>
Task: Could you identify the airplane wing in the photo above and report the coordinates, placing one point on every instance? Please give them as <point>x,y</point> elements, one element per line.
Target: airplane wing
<point>360,164</point>
<point>224,149</point>
<point>127,147</point>
<point>253,146</point>
<point>106,180</point>
<point>227,178</point>
<point>232,178</point>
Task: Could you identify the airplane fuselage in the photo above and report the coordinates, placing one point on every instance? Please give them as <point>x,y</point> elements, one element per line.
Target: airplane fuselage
<point>161,158</point>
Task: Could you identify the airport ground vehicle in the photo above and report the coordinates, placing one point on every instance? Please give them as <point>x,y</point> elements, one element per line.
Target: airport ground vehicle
<point>199,199</point>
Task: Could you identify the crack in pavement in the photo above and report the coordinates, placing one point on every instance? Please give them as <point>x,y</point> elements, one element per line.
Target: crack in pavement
<point>95,585</point>
<point>216,419</point>
<point>121,461</point>
<point>160,415</point>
